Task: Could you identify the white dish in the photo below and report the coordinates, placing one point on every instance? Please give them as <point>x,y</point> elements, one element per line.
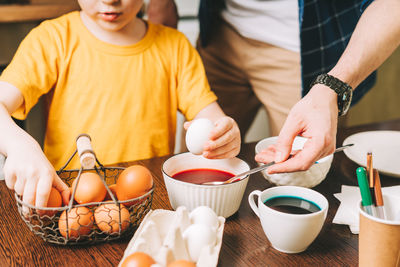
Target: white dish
<point>309,178</point>
<point>385,148</point>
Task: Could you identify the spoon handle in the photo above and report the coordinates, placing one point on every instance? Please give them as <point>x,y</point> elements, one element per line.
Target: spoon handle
<point>262,167</point>
<point>342,148</point>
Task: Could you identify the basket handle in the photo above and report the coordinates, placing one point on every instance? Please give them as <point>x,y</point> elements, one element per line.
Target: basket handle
<point>85,151</point>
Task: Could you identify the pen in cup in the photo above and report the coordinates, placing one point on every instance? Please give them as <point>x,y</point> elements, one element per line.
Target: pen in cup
<point>380,212</point>
<point>366,199</point>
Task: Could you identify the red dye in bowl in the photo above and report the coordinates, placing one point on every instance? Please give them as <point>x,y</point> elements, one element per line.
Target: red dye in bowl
<point>199,176</point>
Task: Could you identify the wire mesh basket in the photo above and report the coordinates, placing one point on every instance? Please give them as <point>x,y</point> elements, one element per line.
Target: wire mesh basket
<point>120,218</point>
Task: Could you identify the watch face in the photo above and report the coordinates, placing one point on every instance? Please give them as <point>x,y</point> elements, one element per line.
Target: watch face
<point>346,101</point>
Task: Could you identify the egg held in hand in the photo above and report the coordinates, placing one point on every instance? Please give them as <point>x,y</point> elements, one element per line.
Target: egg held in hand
<point>198,134</point>
<point>138,259</point>
<point>90,188</point>
<point>80,222</point>
<point>133,182</point>
<point>107,217</point>
<point>54,201</point>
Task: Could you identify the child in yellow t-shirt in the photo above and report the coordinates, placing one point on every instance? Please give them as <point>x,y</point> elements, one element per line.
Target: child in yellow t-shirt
<point>112,75</point>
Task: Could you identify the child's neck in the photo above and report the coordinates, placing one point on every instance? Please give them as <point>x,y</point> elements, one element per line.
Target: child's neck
<point>129,35</point>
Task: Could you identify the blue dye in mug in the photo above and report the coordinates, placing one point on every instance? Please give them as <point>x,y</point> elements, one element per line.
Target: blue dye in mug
<point>292,204</point>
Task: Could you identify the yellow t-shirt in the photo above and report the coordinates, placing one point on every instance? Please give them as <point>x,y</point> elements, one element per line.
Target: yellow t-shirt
<point>124,97</point>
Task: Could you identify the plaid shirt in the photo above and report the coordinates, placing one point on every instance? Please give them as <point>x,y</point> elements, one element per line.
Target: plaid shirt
<point>325,30</point>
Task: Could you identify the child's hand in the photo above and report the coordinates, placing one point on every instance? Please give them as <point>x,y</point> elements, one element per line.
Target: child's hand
<point>224,140</point>
<point>30,174</point>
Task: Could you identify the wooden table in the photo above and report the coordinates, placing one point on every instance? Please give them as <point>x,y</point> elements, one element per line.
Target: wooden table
<point>244,242</point>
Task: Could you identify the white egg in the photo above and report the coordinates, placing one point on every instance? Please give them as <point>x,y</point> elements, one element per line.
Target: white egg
<point>204,215</point>
<point>196,237</point>
<point>198,134</point>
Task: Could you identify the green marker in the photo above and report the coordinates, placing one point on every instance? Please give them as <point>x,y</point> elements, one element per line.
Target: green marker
<point>366,199</point>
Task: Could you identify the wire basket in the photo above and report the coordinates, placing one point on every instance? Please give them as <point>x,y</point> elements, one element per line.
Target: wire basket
<point>45,223</point>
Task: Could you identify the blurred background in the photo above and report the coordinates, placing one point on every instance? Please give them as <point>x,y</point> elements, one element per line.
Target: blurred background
<point>16,20</point>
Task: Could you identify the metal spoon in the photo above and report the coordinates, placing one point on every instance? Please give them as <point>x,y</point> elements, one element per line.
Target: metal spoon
<point>262,167</point>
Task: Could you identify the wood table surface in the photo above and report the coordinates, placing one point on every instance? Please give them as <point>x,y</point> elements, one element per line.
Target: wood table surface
<point>244,242</point>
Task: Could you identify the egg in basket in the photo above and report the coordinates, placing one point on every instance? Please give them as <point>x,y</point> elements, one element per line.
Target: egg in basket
<point>106,203</point>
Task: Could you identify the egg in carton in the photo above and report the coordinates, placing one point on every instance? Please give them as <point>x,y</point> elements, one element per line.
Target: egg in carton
<point>168,236</point>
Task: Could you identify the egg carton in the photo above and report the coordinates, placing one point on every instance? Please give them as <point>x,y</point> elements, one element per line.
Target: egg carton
<point>160,235</point>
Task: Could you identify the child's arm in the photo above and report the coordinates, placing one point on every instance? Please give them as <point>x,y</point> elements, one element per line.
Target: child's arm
<point>26,170</point>
<point>225,138</point>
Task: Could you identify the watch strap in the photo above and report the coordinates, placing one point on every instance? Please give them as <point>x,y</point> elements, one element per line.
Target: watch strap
<point>342,89</point>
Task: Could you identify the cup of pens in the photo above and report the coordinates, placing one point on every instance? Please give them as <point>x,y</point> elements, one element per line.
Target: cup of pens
<point>379,237</point>
<point>378,241</point>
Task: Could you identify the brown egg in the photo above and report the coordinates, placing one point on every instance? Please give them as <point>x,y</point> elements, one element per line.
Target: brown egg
<point>181,263</point>
<point>107,217</point>
<point>138,259</point>
<point>80,222</point>
<point>133,182</point>
<point>113,188</point>
<point>54,201</point>
<point>90,188</point>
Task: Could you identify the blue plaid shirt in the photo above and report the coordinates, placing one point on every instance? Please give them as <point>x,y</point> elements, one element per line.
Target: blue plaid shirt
<point>325,30</point>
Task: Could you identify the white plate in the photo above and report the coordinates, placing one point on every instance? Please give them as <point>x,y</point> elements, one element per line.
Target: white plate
<point>385,148</point>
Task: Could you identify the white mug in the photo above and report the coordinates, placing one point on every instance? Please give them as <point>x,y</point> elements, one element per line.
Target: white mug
<point>287,232</point>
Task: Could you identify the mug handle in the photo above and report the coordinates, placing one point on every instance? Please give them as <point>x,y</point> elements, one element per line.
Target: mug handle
<point>252,203</point>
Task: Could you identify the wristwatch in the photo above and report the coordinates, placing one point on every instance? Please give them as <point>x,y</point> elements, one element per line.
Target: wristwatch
<point>342,89</point>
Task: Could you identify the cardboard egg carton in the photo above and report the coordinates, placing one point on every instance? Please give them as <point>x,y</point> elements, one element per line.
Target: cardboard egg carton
<point>160,236</point>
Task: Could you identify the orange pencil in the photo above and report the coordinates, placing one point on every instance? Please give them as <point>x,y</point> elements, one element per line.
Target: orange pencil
<point>370,173</point>
<point>378,195</point>
<point>370,170</point>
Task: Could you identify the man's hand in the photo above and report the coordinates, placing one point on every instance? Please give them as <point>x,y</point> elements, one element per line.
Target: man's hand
<point>163,12</point>
<point>314,117</point>
<point>375,37</point>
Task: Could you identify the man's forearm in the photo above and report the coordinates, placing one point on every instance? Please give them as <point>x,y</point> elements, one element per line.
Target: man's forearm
<point>375,37</point>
